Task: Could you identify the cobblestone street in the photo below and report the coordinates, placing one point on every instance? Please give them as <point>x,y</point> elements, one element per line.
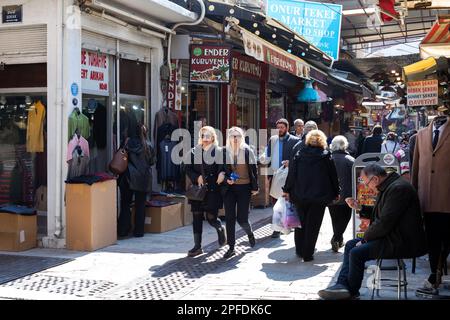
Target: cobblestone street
<point>156,267</point>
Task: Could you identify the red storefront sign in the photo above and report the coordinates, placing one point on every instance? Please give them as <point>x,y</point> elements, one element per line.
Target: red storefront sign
<point>210,63</point>
<point>280,61</point>
<point>174,87</point>
<point>94,72</point>
<point>248,67</point>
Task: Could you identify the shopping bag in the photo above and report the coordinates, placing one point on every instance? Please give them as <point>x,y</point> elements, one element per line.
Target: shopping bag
<point>290,219</point>
<point>279,215</point>
<point>278,181</point>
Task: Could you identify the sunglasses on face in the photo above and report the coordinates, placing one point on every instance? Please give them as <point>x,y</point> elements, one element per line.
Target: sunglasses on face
<point>206,136</point>
<point>236,136</point>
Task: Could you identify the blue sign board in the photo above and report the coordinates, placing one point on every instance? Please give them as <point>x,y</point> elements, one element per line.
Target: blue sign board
<point>74,89</point>
<point>319,23</point>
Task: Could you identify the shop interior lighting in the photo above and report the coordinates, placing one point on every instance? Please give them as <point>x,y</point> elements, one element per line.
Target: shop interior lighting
<point>135,108</point>
<point>398,78</point>
<point>393,71</point>
<point>114,103</point>
<point>2,100</point>
<point>122,107</point>
<point>183,88</point>
<point>28,100</point>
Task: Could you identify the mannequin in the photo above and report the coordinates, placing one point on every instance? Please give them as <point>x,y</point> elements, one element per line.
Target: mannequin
<point>431,178</point>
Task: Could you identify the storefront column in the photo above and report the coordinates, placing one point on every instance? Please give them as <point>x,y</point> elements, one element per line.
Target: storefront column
<point>64,55</point>
<point>156,97</point>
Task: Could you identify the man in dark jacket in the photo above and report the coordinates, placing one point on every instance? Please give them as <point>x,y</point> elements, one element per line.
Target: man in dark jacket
<point>396,232</point>
<point>373,143</point>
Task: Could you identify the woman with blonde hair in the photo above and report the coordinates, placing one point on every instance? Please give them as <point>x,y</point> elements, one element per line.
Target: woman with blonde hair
<point>241,183</point>
<point>206,168</point>
<point>312,183</point>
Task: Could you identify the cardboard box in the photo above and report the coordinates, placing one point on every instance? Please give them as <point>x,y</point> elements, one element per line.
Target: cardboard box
<point>17,232</point>
<point>91,215</point>
<point>186,212</point>
<point>161,219</point>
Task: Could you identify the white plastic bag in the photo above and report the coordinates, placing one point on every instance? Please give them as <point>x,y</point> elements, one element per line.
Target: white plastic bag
<point>278,181</point>
<point>279,216</point>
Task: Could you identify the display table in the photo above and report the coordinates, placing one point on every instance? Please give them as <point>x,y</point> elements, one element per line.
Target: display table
<point>91,215</point>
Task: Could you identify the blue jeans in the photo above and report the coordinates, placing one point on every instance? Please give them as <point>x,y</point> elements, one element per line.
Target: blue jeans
<point>352,272</point>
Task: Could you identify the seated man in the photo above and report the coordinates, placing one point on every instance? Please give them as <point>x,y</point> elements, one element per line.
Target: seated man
<point>396,232</point>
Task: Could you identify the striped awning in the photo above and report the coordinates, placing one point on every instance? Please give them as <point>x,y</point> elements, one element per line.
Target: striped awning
<point>437,41</point>
<point>439,32</point>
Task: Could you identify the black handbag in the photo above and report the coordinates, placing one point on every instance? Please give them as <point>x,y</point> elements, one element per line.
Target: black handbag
<point>196,192</point>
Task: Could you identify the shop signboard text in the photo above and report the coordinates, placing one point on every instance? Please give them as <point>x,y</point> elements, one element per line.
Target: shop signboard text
<point>12,14</point>
<point>318,23</point>
<point>422,93</point>
<point>94,72</point>
<point>248,67</point>
<point>210,64</point>
<point>174,87</point>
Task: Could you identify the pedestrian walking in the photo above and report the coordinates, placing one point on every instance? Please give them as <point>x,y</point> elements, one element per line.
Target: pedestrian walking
<point>373,142</point>
<point>280,150</point>
<point>241,182</point>
<point>207,168</point>
<point>340,212</point>
<point>312,183</point>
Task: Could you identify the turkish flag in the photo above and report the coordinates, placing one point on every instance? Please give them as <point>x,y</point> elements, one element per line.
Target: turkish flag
<point>388,6</point>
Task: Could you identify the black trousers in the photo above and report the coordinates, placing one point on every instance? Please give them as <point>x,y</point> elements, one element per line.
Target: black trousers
<point>124,222</point>
<point>211,217</point>
<point>437,227</point>
<point>340,216</point>
<point>306,237</point>
<point>237,206</point>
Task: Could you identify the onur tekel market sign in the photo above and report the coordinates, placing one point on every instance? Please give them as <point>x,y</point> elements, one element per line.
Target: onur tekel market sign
<point>209,64</point>
<point>422,93</point>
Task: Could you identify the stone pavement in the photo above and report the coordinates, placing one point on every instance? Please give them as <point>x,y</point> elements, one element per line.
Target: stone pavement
<point>156,267</point>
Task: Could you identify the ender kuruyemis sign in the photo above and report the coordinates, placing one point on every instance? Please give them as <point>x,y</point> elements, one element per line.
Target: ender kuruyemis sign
<point>319,23</point>
<point>422,93</point>
<point>210,63</point>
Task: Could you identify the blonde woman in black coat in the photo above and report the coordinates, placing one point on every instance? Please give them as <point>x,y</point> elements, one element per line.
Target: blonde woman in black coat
<point>207,168</point>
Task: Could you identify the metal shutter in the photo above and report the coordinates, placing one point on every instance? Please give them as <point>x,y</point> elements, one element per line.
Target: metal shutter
<point>97,42</point>
<point>22,45</point>
<point>133,52</point>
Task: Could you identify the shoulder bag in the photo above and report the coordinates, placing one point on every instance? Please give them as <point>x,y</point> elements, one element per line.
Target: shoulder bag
<point>196,192</point>
<point>119,162</point>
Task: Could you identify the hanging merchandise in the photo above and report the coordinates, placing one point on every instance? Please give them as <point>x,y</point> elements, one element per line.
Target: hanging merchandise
<point>169,171</point>
<point>350,102</point>
<point>35,128</point>
<point>308,94</point>
<point>80,121</point>
<point>77,157</point>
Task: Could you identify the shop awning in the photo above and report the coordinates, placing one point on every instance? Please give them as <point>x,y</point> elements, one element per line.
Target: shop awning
<point>437,41</point>
<point>266,52</point>
<point>419,70</point>
<point>344,79</point>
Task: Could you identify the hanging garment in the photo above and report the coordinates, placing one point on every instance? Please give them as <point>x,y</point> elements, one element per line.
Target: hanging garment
<point>78,164</point>
<point>169,171</point>
<point>164,116</point>
<point>77,141</point>
<point>35,128</point>
<point>100,126</point>
<point>80,122</point>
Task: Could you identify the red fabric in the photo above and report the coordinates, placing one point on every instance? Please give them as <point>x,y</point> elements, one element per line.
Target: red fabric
<point>388,6</point>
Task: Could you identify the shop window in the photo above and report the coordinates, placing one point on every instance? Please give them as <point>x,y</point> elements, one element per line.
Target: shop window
<point>23,149</point>
<point>204,101</point>
<point>247,109</point>
<point>132,77</point>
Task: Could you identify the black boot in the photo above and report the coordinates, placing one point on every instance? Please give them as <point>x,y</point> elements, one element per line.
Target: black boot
<point>229,253</point>
<point>197,249</point>
<point>252,240</point>
<point>221,235</point>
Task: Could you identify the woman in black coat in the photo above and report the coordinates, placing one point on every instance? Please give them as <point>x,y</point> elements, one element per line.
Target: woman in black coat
<point>241,182</point>
<point>207,168</point>
<point>340,212</point>
<point>136,180</point>
<point>312,183</point>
